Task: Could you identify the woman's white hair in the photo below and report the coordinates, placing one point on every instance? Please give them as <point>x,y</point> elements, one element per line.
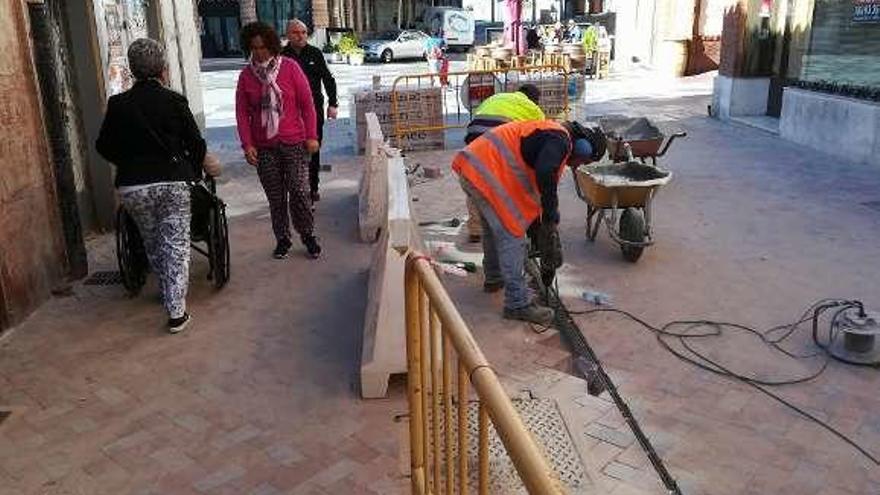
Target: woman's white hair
<point>146,58</point>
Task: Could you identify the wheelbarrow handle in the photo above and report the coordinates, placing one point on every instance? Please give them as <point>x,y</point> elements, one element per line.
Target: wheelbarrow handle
<point>577,185</point>
<point>669,142</point>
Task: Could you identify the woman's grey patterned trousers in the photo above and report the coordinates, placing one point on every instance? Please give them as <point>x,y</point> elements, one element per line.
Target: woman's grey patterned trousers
<point>284,174</point>
<point>162,214</point>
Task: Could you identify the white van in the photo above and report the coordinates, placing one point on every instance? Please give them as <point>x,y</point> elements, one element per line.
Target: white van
<point>456,25</point>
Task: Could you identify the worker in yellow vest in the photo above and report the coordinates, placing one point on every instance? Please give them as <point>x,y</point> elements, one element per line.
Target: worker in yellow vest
<point>511,173</point>
<point>520,105</point>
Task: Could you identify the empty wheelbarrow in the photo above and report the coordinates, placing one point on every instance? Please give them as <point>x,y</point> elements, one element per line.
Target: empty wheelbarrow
<point>620,195</point>
<point>645,139</point>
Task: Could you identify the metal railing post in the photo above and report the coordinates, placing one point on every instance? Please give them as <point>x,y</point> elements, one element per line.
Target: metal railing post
<point>414,382</point>
<point>432,319</point>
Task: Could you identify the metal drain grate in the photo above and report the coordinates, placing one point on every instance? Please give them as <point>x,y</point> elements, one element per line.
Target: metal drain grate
<point>874,205</point>
<point>104,278</point>
<point>543,419</point>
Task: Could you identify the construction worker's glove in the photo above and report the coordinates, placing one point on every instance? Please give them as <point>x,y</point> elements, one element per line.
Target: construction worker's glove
<point>547,248</point>
<point>550,247</point>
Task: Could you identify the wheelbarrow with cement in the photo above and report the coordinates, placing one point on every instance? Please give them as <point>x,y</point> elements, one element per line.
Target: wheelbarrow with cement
<point>646,141</point>
<point>620,195</point>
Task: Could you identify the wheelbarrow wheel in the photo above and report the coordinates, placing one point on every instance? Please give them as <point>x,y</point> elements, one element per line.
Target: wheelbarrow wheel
<point>632,229</point>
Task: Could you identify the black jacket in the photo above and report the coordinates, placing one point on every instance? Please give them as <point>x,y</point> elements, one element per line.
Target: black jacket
<point>545,152</point>
<point>127,142</point>
<point>312,62</point>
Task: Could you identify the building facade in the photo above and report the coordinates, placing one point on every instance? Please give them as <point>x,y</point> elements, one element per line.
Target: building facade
<point>842,44</point>
<point>220,20</point>
<point>60,63</point>
<point>813,65</point>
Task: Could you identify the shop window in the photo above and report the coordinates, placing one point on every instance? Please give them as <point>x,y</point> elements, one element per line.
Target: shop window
<point>277,13</point>
<point>844,43</point>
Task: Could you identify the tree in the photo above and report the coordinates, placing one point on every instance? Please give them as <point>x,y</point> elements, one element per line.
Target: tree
<point>248,11</point>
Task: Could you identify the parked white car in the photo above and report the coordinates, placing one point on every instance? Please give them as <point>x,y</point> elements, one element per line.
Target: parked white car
<point>395,45</point>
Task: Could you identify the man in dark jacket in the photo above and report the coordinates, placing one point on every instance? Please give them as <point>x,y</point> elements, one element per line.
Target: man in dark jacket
<point>312,62</point>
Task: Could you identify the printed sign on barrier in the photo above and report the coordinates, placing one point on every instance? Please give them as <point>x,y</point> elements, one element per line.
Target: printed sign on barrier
<point>415,108</point>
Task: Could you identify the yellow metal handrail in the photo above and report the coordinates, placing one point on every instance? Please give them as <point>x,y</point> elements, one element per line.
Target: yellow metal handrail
<point>417,81</point>
<point>435,334</point>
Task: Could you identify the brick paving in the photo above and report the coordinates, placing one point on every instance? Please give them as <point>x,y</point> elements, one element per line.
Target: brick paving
<point>259,395</point>
<point>752,229</point>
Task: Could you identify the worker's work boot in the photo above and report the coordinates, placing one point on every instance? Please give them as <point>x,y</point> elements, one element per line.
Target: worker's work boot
<point>533,313</point>
<point>491,286</point>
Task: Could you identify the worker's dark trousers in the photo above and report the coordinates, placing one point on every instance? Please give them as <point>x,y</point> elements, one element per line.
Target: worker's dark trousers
<point>504,254</point>
<point>315,164</point>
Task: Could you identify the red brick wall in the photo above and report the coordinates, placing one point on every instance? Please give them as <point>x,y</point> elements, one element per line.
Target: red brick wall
<point>31,252</point>
<point>704,54</point>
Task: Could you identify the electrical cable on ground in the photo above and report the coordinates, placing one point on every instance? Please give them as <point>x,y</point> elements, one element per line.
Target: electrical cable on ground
<point>597,379</point>
<point>692,356</point>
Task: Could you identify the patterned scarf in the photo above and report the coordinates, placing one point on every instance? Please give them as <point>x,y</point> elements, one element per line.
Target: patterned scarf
<point>271,105</point>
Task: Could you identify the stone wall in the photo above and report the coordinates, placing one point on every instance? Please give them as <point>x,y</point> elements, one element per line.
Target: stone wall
<point>31,249</point>
<point>184,52</point>
<point>833,124</point>
<point>740,96</point>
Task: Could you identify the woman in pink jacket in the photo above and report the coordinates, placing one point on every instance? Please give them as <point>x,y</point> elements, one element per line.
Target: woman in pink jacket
<point>276,124</point>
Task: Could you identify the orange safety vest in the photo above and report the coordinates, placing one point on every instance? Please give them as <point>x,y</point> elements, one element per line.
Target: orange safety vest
<point>494,165</point>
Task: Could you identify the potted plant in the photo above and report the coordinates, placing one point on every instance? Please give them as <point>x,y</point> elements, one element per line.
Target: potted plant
<point>742,87</point>
<point>331,53</point>
<point>348,47</point>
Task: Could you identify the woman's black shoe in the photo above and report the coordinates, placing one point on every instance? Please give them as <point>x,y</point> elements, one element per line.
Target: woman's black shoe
<point>176,325</point>
<point>312,246</point>
<point>281,250</point>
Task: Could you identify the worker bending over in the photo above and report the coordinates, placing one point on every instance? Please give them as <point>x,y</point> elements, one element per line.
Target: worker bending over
<point>511,173</point>
<point>520,105</point>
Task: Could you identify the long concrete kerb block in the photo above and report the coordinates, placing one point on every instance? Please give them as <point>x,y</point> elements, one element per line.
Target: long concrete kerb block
<point>373,190</point>
<point>389,215</point>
